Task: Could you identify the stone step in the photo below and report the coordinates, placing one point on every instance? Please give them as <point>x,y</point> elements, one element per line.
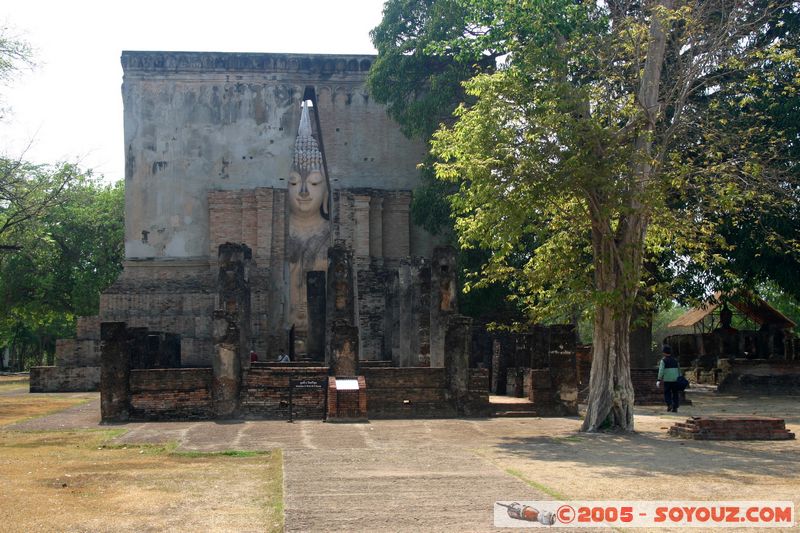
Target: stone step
<point>512,406</point>
<point>732,428</point>
<point>515,414</point>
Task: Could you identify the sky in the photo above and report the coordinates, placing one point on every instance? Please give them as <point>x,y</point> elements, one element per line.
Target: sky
<point>69,107</point>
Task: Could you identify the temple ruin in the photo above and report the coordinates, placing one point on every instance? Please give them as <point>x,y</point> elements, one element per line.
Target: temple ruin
<point>271,265</point>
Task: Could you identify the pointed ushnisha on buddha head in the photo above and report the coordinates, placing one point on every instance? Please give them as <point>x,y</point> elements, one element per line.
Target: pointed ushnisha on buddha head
<point>308,189</point>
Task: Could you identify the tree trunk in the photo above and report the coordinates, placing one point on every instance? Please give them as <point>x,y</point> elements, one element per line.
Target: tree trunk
<point>618,251</point>
<point>610,403</point>
<point>610,387</point>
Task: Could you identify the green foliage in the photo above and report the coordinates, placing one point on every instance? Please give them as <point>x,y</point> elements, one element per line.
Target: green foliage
<point>737,177</point>
<point>67,255</point>
<point>552,134</point>
<point>26,192</point>
<point>15,54</point>
<point>669,311</point>
<point>608,149</point>
<point>418,77</point>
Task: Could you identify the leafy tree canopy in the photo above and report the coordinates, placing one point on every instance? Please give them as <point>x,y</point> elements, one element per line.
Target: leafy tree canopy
<point>66,257</point>
<point>15,54</point>
<point>609,132</point>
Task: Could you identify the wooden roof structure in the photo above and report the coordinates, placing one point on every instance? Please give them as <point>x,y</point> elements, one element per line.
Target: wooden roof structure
<point>756,309</point>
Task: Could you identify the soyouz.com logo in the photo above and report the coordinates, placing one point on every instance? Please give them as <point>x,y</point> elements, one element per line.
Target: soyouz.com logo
<point>762,514</point>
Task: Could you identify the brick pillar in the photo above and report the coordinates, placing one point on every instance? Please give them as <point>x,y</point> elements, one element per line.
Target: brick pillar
<point>115,369</point>
<point>403,355</point>
<point>224,218</point>
<point>396,226</point>
<point>564,378</point>
<point>344,350</point>
<point>226,366</point>
<point>443,299</point>
<point>341,296</point>
<point>233,288</point>
<point>423,292</point>
<point>249,219</point>
<point>342,340</point>
<point>496,362</point>
<point>231,328</point>
<point>458,340</point>
<point>376,227</point>
<point>361,237</point>
<point>315,294</point>
<point>264,208</point>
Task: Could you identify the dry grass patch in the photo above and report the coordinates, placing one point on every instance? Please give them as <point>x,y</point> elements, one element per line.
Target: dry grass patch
<point>13,383</point>
<point>18,408</point>
<point>80,482</point>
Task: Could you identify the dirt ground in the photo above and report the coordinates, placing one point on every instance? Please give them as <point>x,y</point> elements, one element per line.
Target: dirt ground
<point>444,475</point>
<point>17,406</point>
<point>82,480</point>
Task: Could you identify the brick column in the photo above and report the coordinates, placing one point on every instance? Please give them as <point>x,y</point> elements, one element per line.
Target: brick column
<point>344,350</point>
<point>396,228</point>
<point>458,340</point>
<point>443,299</point>
<point>115,369</point>
<point>224,218</point>
<point>361,237</point>
<point>226,366</point>
<point>249,219</point>
<point>402,354</point>
<point>376,227</point>
<point>264,208</point>
<point>231,328</point>
<point>341,289</point>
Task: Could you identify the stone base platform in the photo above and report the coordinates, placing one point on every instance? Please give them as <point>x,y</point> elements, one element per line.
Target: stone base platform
<point>732,428</point>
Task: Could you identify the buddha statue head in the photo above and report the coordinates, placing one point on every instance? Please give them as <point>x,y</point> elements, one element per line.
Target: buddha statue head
<point>308,188</point>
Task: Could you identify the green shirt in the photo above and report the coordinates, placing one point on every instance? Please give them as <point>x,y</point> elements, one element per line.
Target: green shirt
<point>667,374</point>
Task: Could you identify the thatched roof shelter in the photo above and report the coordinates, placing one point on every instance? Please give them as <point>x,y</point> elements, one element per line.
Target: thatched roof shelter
<point>751,306</point>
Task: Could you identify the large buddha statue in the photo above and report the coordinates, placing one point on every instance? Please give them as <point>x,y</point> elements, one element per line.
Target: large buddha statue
<point>309,228</point>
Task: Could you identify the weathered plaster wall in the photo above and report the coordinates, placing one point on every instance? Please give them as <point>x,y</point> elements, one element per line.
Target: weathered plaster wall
<point>196,122</point>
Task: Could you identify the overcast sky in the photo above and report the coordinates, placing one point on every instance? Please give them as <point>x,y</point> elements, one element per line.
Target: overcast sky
<point>69,108</point>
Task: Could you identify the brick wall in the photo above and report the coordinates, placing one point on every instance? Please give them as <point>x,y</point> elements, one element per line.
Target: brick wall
<point>60,379</point>
<point>644,386</point>
<point>407,392</point>
<point>173,393</point>
<point>265,392</point>
<point>515,382</point>
<point>645,390</point>
<point>176,299</point>
<point>554,390</point>
<point>372,312</point>
<point>763,376</point>
<point>477,402</point>
<point>421,392</point>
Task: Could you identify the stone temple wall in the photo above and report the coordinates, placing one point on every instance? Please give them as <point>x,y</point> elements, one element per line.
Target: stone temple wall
<point>209,140</point>
<point>196,122</point>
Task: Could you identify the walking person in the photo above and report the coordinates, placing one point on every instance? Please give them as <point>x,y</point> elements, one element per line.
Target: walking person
<point>668,371</point>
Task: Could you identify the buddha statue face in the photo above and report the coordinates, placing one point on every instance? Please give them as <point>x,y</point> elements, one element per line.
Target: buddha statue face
<point>308,193</point>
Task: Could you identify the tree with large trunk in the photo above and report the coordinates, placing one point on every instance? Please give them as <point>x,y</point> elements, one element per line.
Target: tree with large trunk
<point>568,147</point>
